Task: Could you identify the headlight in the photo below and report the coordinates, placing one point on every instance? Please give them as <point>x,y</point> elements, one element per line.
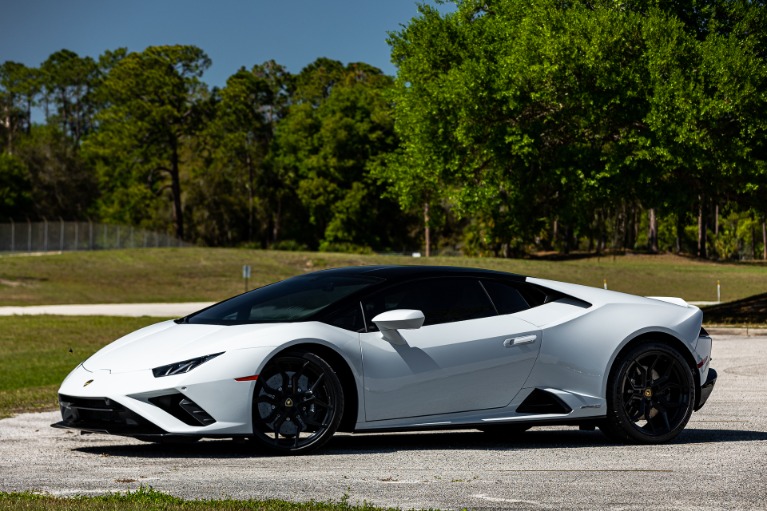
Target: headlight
<point>182,367</point>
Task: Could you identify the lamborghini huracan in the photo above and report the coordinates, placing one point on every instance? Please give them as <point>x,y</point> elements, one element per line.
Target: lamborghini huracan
<point>392,348</point>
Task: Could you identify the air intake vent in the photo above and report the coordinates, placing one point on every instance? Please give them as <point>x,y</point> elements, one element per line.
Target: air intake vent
<point>542,402</point>
<point>103,415</point>
<point>184,409</point>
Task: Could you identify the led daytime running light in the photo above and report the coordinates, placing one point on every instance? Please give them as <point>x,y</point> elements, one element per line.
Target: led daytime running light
<point>182,367</point>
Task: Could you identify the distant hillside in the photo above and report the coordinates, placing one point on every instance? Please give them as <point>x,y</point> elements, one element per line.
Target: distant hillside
<point>746,310</point>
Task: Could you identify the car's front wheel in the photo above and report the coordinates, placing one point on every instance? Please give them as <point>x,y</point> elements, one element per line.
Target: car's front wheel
<point>297,403</point>
<point>650,395</point>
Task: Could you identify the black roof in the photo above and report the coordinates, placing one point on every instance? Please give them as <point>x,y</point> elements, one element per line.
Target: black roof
<point>401,272</point>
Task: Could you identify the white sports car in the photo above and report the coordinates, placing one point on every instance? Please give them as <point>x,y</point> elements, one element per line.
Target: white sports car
<point>401,348</point>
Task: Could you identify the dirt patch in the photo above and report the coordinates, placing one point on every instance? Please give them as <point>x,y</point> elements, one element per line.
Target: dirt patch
<point>751,310</point>
<point>22,281</point>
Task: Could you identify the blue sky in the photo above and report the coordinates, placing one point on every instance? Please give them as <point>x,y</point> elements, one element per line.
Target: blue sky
<point>232,33</point>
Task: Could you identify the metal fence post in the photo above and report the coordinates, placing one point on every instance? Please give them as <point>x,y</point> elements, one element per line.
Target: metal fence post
<point>13,235</point>
<point>45,234</point>
<point>61,237</point>
<point>29,235</point>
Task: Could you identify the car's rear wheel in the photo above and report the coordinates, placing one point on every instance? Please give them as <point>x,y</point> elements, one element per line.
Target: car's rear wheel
<point>297,403</point>
<point>650,395</point>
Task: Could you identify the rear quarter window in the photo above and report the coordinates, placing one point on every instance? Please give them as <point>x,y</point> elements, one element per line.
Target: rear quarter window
<point>507,298</point>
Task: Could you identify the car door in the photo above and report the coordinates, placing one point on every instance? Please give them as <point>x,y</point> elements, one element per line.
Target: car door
<point>465,357</point>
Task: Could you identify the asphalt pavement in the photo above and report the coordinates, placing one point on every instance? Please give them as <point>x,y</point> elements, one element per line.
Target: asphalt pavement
<point>718,462</point>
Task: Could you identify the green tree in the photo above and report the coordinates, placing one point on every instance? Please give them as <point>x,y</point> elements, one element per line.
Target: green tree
<point>708,87</point>
<point>516,130</point>
<point>154,104</point>
<point>15,188</point>
<point>239,166</point>
<point>63,185</point>
<point>542,117</point>
<point>338,125</point>
<point>68,81</point>
<point>18,87</point>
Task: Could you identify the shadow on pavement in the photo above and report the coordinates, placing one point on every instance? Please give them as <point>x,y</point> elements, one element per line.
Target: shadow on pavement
<point>382,443</point>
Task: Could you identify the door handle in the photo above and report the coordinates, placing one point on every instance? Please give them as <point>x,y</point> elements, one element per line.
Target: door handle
<point>518,341</point>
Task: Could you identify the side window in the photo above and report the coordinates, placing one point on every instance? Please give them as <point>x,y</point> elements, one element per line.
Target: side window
<point>506,298</point>
<point>348,318</point>
<point>442,300</point>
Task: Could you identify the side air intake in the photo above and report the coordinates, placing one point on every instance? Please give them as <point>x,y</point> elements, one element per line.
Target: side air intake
<point>542,402</point>
<point>184,409</point>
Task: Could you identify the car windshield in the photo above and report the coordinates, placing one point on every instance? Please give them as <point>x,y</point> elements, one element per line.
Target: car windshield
<point>294,299</point>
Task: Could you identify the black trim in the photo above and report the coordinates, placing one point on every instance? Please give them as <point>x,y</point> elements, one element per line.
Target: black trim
<point>541,402</point>
<point>184,409</point>
<point>103,415</point>
<point>706,389</point>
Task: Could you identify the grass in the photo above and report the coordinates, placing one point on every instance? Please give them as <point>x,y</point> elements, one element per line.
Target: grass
<point>37,352</point>
<point>204,274</point>
<point>148,499</point>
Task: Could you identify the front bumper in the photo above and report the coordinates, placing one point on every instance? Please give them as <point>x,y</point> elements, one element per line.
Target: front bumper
<point>208,401</point>
<point>706,389</point>
<point>102,415</point>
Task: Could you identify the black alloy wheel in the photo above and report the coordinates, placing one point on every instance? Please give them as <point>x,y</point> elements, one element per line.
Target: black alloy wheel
<point>650,395</point>
<point>297,404</point>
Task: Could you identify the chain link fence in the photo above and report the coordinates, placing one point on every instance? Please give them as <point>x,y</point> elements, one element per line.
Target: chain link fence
<point>47,236</point>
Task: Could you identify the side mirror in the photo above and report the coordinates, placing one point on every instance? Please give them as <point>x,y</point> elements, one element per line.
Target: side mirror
<point>399,319</point>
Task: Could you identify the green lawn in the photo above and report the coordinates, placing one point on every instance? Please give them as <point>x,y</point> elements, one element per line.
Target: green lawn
<point>205,274</point>
<point>37,352</point>
<point>152,500</point>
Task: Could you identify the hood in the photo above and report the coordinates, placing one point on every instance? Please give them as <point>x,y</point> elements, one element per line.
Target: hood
<point>169,342</point>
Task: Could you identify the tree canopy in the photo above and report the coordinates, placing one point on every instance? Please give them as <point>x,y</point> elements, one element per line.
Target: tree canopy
<point>512,126</point>
<point>536,116</point>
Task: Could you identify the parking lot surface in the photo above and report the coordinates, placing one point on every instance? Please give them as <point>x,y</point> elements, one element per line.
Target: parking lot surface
<point>718,462</point>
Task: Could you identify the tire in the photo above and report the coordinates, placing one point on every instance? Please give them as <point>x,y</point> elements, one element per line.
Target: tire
<point>650,395</point>
<point>298,403</point>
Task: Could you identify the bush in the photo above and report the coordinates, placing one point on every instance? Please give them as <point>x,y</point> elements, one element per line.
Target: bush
<point>345,247</point>
<point>289,245</point>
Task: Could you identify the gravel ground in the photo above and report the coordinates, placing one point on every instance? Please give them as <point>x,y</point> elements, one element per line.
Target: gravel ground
<point>719,461</point>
